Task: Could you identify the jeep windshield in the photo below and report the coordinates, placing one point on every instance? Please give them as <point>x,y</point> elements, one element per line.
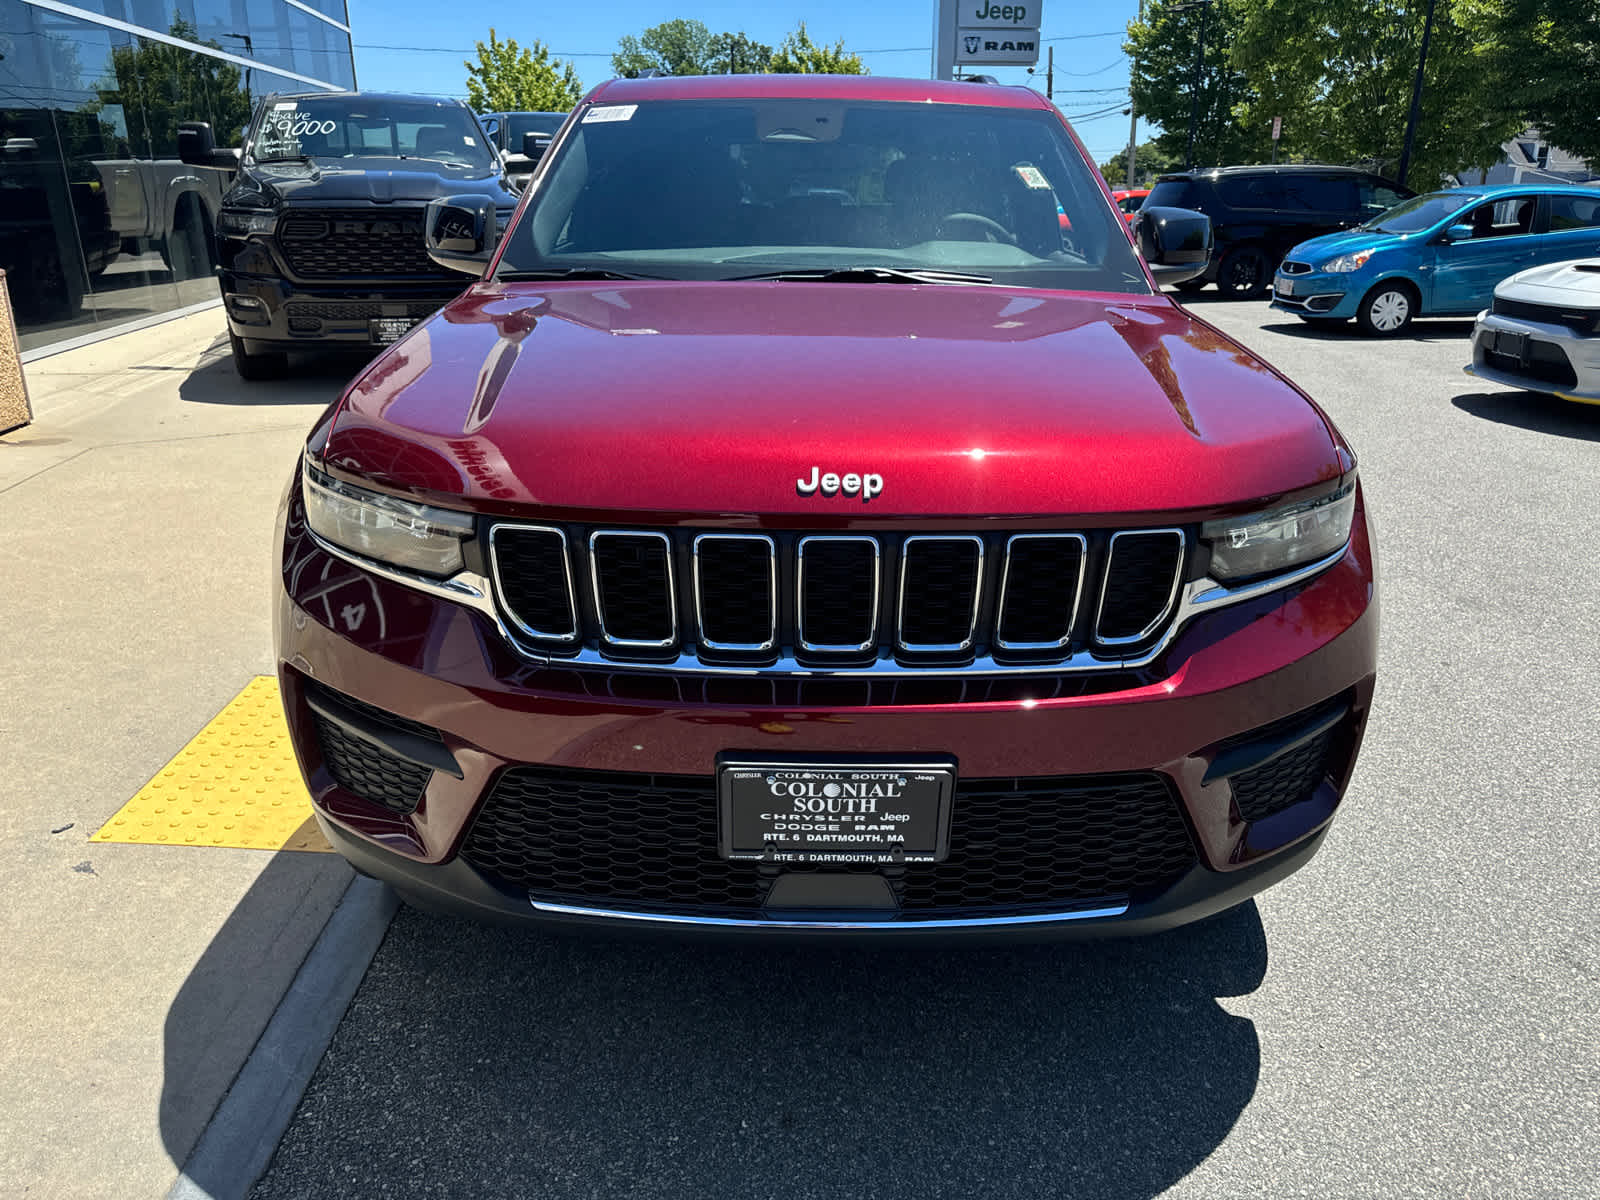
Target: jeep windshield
<point>858,192</point>
<point>1420,212</point>
<point>366,128</point>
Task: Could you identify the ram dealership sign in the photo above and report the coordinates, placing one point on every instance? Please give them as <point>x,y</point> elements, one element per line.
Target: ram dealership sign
<point>996,32</point>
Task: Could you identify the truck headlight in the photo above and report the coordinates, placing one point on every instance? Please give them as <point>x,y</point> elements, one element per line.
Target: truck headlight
<point>415,537</point>
<point>239,223</point>
<point>1346,263</point>
<point>1280,538</point>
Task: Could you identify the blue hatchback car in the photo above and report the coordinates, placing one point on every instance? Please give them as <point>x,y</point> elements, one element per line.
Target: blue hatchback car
<point>1436,255</point>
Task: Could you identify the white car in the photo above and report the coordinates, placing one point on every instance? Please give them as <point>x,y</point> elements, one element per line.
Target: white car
<point>1542,332</point>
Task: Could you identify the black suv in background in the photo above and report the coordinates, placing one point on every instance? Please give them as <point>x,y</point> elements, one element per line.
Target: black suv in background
<point>508,131</point>
<point>1258,213</point>
<point>320,238</point>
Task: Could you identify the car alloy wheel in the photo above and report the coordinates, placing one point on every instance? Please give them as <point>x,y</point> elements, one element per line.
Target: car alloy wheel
<point>1244,274</point>
<point>1386,311</point>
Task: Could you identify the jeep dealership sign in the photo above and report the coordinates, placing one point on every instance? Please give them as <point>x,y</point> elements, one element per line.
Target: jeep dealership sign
<point>974,33</point>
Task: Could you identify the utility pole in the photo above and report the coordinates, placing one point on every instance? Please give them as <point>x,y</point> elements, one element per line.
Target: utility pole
<point>1133,110</point>
<point>1194,90</point>
<point>1416,98</point>
<point>1050,73</point>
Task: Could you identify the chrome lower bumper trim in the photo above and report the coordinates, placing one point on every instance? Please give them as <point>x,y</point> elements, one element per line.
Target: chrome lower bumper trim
<point>1082,914</point>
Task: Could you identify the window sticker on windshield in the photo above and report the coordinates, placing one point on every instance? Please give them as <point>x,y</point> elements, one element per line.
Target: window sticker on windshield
<point>285,106</point>
<point>1033,177</point>
<point>466,141</point>
<point>610,112</point>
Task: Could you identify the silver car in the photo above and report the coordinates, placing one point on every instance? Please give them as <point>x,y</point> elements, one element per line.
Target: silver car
<point>1542,332</point>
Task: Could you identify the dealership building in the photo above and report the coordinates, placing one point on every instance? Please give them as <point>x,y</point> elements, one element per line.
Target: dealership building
<point>100,224</point>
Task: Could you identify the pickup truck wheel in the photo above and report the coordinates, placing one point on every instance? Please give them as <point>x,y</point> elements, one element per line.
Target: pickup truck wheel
<point>256,367</point>
<point>187,249</point>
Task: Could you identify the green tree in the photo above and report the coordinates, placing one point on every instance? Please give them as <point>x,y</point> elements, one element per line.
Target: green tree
<point>159,86</point>
<point>512,78</point>
<point>799,55</point>
<point>1149,162</point>
<point>737,54</point>
<point>1340,73</point>
<point>1162,50</point>
<point>676,47</point>
<point>1545,54</point>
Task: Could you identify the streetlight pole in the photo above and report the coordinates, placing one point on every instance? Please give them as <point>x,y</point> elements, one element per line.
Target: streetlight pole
<point>1194,90</point>
<point>1416,97</point>
<point>1133,110</point>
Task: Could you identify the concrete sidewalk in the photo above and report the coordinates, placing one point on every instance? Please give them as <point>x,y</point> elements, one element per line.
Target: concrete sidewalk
<point>137,513</point>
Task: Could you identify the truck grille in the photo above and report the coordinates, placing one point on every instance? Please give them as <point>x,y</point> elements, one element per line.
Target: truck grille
<point>844,601</point>
<point>609,839</point>
<point>336,243</point>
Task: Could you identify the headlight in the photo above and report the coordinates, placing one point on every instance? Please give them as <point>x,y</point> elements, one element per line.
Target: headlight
<point>1348,262</point>
<point>1281,538</point>
<point>416,537</point>
<point>237,223</point>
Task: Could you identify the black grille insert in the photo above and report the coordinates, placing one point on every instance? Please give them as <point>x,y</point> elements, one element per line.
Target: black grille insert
<point>338,243</point>
<point>736,585</point>
<point>609,839</point>
<point>535,579</point>
<point>1283,781</point>
<point>940,578</point>
<point>1140,585</point>
<point>1579,320</point>
<point>1544,362</point>
<point>838,593</point>
<point>1039,594</point>
<point>633,588</point>
<point>365,769</point>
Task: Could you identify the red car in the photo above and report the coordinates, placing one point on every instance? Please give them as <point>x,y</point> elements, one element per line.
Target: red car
<point>1129,200</point>
<point>846,550</point>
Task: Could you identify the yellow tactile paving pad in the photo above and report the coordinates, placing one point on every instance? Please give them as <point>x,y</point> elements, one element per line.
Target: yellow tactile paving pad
<point>234,785</point>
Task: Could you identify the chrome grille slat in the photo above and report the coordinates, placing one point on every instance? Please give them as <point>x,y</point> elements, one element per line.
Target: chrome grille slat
<point>703,544</point>
<point>929,542</point>
<point>1021,543</point>
<point>635,575</point>
<point>820,544</point>
<point>501,539</point>
<point>1132,541</point>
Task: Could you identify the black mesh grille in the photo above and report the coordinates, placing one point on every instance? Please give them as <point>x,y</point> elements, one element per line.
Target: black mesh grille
<point>648,840</point>
<point>940,591</point>
<point>1544,363</point>
<point>343,243</point>
<point>836,602</point>
<point>735,582</point>
<point>367,770</point>
<point>635,594</point>
<point>1040,590</point>
<point>1294,268</point>
<point>1138,582</point>
<point>1585,321</point>
<point>532,570</point>
<point>360,310</point>
<point>1285,780</point>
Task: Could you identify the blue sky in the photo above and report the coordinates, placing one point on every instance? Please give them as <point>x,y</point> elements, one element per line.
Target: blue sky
<point>894,37</point>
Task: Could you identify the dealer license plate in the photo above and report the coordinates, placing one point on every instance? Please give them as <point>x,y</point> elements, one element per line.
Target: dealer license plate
<point>1285,287</point>
<point>384,330</point>
<point>816,813</point>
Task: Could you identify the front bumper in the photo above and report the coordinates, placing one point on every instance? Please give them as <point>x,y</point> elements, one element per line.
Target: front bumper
<point>272,313</point>
<point>1316,294</point>
<point>1552,359</point>
<point>1225,680</point>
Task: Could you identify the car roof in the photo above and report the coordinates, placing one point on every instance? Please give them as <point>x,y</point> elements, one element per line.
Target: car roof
<point>1522,189</point>
<point>1270,169</point>
<point>410,97</point>
<point>814,87</point>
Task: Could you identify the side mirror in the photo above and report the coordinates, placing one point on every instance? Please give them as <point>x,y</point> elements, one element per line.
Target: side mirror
<point>1175,242</point>
<point>198,148</point>
<point>534,145</point>
<point>461,232</point>
<point>1458,233</point>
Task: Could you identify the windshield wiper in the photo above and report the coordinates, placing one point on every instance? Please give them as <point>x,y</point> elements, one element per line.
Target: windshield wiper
<point>869,275</point>
<point>570,273</point>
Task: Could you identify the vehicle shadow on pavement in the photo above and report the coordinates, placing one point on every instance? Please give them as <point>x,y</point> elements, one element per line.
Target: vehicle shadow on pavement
<point>1424,331</point>
<point>482,1061</point>
<point>1534,411</point>
<point>216,382</point>
<point>232,991</point>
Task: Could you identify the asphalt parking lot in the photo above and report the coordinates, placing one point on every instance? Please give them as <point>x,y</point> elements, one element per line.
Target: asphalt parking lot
<point>1415,1014</point>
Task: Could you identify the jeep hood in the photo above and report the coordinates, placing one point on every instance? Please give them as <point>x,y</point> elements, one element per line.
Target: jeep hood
<point>696,398</point>
<point>373,180</point>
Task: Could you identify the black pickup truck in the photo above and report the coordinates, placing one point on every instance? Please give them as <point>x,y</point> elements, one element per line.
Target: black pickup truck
<point>320,238</point>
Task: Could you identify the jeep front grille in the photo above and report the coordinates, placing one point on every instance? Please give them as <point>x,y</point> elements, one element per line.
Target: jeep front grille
<point>339,243</point>
<point>836,601</point>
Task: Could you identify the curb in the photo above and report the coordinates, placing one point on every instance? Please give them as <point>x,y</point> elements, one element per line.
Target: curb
<point>239,1140</point>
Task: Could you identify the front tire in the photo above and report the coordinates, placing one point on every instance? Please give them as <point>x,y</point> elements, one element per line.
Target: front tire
<point>1197,284</point>
<point>1386,310</point>
<point>1245,273</point>
<point>257,367</point>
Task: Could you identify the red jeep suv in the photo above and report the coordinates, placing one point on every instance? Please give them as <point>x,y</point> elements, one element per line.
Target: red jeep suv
<point>796,530</point>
